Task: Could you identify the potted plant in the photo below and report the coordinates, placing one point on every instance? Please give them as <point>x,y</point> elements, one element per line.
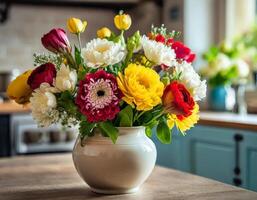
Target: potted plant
<point>115,90</point>
<point>224,68</point>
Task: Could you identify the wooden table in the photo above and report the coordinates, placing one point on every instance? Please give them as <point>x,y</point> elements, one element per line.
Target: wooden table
<point>54,177</point>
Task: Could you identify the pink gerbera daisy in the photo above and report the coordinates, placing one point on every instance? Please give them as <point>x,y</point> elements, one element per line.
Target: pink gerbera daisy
<point>99,96</point>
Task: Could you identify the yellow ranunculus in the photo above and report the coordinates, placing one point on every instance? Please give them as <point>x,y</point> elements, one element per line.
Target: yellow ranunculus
<point>141,86</point>
<point>19,90</point>
<point>122,21</point>
<point>104,33</point>
<point>76,26</point>
<point>184,123</point>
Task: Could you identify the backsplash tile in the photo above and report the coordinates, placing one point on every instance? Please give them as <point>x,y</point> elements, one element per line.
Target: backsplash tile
<point>20,35</point>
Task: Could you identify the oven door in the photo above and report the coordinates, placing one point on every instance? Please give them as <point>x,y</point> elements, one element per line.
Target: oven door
<point>29,138</point>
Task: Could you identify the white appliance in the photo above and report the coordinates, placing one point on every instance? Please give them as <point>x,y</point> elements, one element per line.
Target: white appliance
<point>29,138</point>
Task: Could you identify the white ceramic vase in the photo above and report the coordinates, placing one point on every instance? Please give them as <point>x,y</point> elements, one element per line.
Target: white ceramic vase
<point>115,168</point>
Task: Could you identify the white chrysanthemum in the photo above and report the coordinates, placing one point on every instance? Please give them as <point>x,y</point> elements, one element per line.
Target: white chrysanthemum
<point>101,52</point>
<point>192,80</point>
<point>65,79</point>
<point>157,52</point>
<point>43,105</point>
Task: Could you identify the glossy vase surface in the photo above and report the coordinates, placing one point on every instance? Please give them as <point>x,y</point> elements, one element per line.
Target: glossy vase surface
<point>115,168</point>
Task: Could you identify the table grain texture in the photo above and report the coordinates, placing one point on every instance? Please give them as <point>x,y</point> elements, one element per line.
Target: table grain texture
<point>54,177</point>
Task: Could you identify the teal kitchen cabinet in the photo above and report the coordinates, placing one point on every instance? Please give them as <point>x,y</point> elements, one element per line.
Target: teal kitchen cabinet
<point>210,152</point>
<point>169,155</point>
<point>224,154</point>
<point>248,160</point>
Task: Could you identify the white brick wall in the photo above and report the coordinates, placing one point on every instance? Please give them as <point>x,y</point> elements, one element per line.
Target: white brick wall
<point>20,35</point>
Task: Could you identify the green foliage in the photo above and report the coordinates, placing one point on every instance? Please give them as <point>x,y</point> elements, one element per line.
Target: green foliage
<point>86,128</point>
<point>148,131</point>
<point>223,77</point>
<point>133,43</point>
<point>108,129</point>
<point>40,59</point>
<point>65,102</point>
<point>149,118</point>
<point>163,132</point>
<point>82,70</point>
<point>113,69</point>
<point>125,117</point>
<point>163,31</point>
<point>113,37</point>
<point>149,127</point>
<point>211,54</point>
<point>78,58</point>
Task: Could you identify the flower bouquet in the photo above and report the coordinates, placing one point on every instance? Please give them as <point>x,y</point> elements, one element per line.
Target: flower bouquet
<point>114,87</point>
<point>225,67</point>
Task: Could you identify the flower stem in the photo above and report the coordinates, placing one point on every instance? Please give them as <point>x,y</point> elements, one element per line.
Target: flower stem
<point>139,115</point>
<point>122,38</point>
<point>78,35</point>
<point>71,61</point>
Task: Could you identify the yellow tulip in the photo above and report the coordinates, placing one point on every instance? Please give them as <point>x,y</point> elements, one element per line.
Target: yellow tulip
<point>19,90</point>
<point>76,26</point>
<point>122,21</point>
<point>104,33</point>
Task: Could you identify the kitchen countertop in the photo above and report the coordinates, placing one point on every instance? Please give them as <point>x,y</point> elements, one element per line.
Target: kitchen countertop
<point>229,120</point>
<point>54,177</point>
<point>220,119</point>
<point>11,107</point>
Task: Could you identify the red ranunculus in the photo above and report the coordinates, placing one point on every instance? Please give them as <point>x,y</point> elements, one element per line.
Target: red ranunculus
<point>183,52</point>
<point>99,96</point>
<point>56,41</point>
<point>169,41</point>
<point>177,100</point>
<point>43,74</point>
<point>160,38</point>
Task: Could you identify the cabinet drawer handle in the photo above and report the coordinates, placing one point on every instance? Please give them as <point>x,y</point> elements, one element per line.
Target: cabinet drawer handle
<point>237,171</point>
<point>238,138</point>
<point>237,181</point>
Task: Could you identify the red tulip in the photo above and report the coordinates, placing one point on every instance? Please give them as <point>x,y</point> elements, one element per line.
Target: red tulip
<point>56,41</point>
<point>43,74</point>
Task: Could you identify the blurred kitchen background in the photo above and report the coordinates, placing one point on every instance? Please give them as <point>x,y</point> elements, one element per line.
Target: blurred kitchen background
<point>223,146</point>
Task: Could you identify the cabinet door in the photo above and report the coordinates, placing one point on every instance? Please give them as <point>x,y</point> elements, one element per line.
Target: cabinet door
<point>210,152</point>
<point>248,154</point>
<point>170,155</point>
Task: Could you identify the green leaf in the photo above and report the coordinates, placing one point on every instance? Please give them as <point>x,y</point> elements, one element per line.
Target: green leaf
<point>125,117</point>
<point>163,132</point>
<point>66,103</point>
<point>78,58</point>
<point>148,131</point>
<point>86,129</point>
<point>108,129</point>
